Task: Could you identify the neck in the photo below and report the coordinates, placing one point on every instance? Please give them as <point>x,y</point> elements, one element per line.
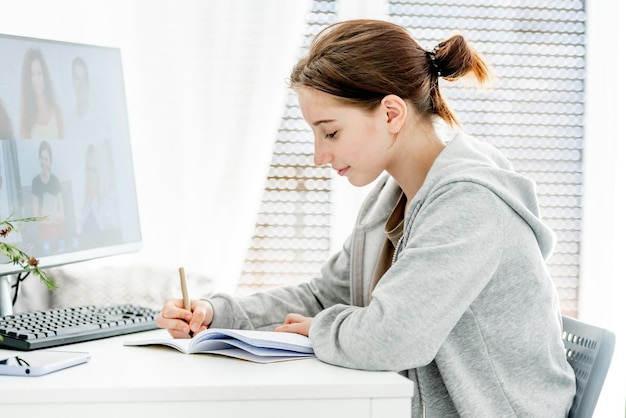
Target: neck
<point>416,151</point>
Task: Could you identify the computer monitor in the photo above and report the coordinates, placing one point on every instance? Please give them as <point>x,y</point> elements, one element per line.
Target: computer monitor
<point>65,153</point>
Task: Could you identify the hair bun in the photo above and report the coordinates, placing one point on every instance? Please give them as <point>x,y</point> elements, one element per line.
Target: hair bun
<point>456,58</point>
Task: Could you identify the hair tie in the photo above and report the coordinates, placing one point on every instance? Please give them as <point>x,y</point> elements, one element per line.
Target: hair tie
<point>432,56</point>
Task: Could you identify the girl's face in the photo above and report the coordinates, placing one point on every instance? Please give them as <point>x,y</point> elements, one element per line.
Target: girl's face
<point>355,143</point>
<point>36,77</point>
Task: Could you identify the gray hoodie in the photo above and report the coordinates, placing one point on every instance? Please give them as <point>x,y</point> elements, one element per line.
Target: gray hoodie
<point>467,310</point>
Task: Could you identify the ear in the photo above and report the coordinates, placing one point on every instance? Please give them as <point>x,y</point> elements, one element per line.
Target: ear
<point>396,110</point>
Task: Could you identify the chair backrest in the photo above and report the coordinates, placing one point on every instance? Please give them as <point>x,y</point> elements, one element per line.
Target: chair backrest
<point>589,350</point>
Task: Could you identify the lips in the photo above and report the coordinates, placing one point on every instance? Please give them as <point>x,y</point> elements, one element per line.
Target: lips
<point>342,171</point>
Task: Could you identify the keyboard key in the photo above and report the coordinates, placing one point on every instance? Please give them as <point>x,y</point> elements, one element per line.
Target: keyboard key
<point>76,329</point>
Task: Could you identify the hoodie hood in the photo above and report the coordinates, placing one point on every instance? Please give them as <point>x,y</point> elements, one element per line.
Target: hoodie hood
<point>467,159</point>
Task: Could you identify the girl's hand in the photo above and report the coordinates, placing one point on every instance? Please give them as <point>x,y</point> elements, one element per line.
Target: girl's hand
<point>179,322</point>
<point>297,324</point>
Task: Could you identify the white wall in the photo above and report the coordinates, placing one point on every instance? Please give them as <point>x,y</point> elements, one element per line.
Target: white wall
<point>603,241</point>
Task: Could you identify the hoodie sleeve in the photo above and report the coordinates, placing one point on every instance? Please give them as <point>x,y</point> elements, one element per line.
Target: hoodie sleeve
<point>266,310</point>
<point>453,248</point>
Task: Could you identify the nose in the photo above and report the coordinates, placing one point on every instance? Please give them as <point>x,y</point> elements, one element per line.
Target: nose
<point>321,154</point>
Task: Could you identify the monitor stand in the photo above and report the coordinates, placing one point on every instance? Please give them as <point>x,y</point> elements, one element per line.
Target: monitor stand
<point>6,303</point>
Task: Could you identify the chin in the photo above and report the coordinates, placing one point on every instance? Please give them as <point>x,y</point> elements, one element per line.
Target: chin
<point>359,182</point>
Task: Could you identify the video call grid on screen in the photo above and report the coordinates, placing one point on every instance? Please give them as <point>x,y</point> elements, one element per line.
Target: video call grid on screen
<point>65,150</point>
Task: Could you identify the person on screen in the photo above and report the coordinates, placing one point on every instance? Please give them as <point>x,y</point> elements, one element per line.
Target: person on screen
<point>47,197</point>
<point>444,277</point>
<point>98,211</point>
<point>84,122</point>
<point>41,116</point>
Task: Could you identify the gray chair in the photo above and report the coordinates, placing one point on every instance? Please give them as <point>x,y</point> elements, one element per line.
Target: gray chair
<point>589,350</point>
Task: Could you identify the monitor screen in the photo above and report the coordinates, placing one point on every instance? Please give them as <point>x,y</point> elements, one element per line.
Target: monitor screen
<point>65,152</point>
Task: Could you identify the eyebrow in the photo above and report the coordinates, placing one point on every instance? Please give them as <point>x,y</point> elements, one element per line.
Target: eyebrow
<point>319,122</point>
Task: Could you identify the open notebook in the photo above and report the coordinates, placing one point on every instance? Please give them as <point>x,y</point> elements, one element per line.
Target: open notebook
<point>257,346</point>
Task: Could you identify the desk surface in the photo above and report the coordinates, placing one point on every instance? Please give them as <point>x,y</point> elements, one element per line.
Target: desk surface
<point>123,381</point>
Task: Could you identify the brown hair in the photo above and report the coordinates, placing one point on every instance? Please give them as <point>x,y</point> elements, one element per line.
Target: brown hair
<point>362,61</point>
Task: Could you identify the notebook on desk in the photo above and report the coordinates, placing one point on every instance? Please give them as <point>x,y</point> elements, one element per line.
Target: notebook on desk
<point>251,345</point>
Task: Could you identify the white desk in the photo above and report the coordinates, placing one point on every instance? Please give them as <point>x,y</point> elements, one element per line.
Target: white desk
<point>124,381</point>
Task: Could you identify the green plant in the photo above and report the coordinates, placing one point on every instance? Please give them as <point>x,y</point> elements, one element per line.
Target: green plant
<point>28,263</point>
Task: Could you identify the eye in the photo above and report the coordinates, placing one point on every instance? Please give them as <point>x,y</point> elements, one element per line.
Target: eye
<point>330,135</point>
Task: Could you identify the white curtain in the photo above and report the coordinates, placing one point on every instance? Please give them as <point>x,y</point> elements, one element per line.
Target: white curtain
<point>205,87</point>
